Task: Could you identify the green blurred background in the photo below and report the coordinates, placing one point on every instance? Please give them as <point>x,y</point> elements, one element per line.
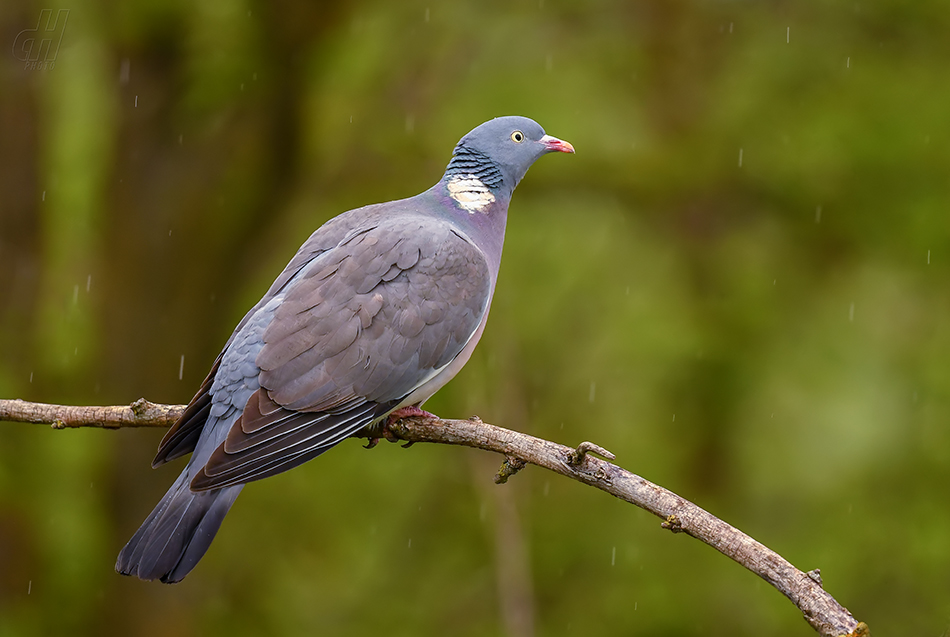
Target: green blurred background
<point>738,285</point>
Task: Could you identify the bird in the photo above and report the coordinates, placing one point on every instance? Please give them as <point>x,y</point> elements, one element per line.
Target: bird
<point>378,309</point>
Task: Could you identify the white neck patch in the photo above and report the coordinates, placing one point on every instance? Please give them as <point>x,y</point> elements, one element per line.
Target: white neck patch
<point>470,193</point>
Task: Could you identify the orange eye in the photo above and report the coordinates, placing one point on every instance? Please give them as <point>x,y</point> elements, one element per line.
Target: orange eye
<point>517,136</point>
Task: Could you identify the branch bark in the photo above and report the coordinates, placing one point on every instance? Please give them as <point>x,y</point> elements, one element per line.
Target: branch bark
<point>820,609</point>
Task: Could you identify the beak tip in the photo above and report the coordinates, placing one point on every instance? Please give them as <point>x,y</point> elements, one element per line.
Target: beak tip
<point>558,145</point>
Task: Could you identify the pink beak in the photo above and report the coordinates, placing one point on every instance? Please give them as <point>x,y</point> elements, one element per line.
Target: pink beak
<point>555,144</point>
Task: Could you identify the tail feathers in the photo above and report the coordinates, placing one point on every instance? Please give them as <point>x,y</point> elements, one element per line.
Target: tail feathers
<point>177,532</point>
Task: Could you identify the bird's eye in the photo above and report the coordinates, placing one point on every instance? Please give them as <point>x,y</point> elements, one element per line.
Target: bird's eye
<point>517,136</point>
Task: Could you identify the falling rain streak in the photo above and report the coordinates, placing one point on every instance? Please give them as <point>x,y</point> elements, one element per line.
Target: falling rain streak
<point>740,158</point>
<point>851,313</point>
<point>593,391</point>
<point>181,367</point>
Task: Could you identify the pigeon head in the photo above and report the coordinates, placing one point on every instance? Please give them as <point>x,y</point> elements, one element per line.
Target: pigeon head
<point>499,152</point>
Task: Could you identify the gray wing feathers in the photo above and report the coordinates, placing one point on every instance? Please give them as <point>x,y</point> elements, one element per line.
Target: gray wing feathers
<point>345,339</point>
<point>354,332</point>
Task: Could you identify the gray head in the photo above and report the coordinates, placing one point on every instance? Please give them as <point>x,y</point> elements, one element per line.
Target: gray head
<point>500,151</point>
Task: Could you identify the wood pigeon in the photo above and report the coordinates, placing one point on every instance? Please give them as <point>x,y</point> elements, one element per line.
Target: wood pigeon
<point>378,309</point>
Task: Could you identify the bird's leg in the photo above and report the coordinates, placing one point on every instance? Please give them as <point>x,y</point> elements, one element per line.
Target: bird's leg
<point>408,412</point>
<point>394,417</point>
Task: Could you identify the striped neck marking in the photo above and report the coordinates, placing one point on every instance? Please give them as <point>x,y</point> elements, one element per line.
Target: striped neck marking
<point>470,193</point>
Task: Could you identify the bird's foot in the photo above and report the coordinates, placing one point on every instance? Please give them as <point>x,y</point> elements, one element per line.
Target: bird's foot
<point>403,412</point>
<point>384,427</point>
<point>408,412</point>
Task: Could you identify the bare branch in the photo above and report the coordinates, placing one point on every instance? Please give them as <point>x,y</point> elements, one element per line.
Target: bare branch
<point>141,413</point>
<point>820,609</point>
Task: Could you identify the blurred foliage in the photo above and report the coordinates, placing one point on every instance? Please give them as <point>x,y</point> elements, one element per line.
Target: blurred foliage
<point>738,285</point>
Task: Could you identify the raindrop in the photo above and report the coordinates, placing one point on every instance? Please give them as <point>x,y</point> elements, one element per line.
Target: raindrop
<point>730,27</point>
<point>31,377</point>
<point>818,214</point>
<point>181,367</point>
<point>851,312</point>
<point>410,543</point>
<point>410,123</point>
<point>613,556</point>
<point>593,391</point>
<point>774,281</point>
<point>788,34</point>
<point>635,603</point>
<point>124,69</point>
<point>88,283</point>
<point>136,101</point>
<point>254,76</point>
<point>427,14</point>
<point>29,587</point>
<point>242,86</point>
<point>740,158</point>
<point>75,294</point>
<point>44,195</point>
<point>928,257</point>
<point>628,290</point>
<point>351,119</point>
<point>547,487</point>
<point>181,139</point>
<point>847,63</point>
<point>674,417</point>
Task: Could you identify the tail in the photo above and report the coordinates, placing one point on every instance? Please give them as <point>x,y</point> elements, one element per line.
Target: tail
<point>177,532</point>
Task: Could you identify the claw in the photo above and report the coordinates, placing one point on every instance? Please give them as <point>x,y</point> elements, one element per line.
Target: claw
<point>371,443</point>
<point>387,434</point>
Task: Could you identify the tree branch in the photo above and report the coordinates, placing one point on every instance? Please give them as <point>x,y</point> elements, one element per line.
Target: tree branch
<point>141,413</point>
<point>820,609</point>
